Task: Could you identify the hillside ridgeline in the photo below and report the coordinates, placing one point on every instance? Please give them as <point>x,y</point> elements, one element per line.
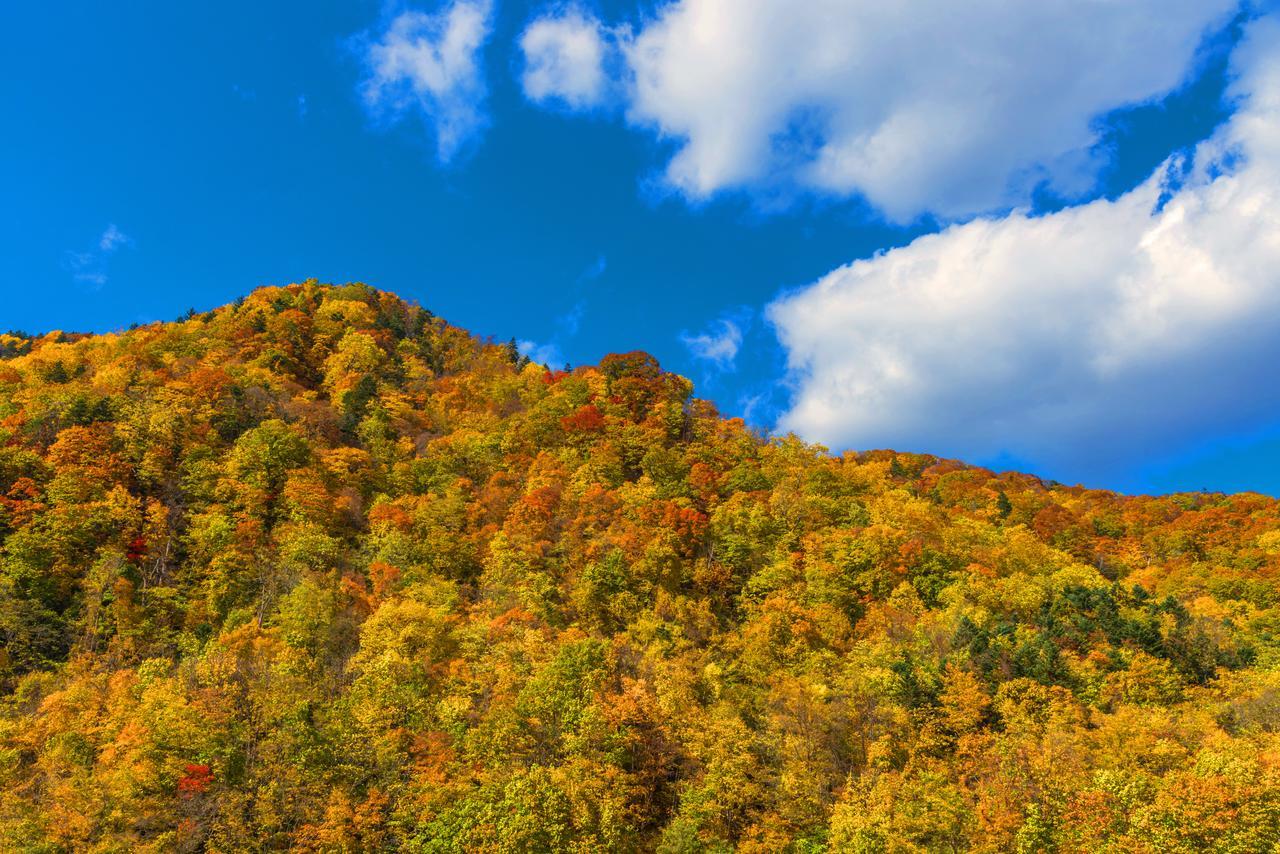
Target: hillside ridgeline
<point>318,571</point>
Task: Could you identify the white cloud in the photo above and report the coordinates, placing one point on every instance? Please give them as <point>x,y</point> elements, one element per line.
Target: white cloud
<point>918,105</point>
<point>719,344</point>
<point>112,239</point>
<point>432,63</point>
<point>543,354</point>
<point>1074,339</point>
<point>90,267</point>
<point>564,59</point>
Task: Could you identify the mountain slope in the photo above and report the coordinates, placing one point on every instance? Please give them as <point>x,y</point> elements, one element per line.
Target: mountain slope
<point>318,571</point>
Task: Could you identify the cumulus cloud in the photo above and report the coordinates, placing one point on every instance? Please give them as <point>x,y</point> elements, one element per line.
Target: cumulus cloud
<point>564,59</point>
<point>1072,339</point>
<point>719,344</point>
<point>919,106</point>
<point>431,64</point>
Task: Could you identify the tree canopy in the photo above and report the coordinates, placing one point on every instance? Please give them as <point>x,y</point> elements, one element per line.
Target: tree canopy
<point>319,571</point>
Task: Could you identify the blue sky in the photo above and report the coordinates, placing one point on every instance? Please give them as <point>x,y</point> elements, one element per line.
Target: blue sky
<point>618,179</point>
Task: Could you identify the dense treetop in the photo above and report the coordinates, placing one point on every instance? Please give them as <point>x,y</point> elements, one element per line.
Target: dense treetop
<point>319,571</point>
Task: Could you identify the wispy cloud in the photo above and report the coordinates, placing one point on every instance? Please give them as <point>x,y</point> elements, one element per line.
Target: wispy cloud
<point>571,320</point>
<point>550,351</point>
<point>90,266</point>
<point>544,354</point>
<point>595,270</point>
<point>752,405</point>
<point>91,277</point>
<point>430,63</point>
<point>718,344</point>
<point>112,239</point>
<point>567,325</point>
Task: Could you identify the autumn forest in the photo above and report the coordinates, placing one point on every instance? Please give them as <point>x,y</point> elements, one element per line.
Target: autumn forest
<point>317,571</point>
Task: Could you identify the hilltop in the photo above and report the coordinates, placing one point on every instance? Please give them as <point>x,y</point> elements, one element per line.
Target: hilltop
<point>319,571</point>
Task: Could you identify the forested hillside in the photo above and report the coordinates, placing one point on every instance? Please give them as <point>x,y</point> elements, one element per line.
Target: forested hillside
<point>318,571</point>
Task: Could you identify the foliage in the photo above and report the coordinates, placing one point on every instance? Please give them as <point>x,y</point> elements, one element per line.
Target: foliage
<point>319,571</point>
